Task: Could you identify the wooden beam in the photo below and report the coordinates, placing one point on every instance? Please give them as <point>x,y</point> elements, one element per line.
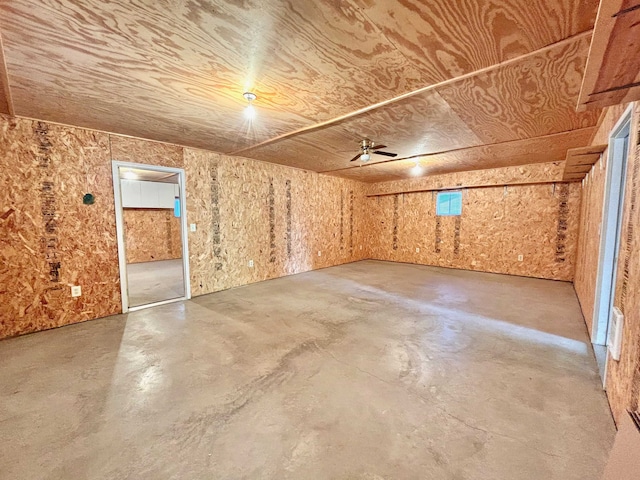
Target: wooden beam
<point>6,102</point>
<point>465,187</point>
<point>433,86</point>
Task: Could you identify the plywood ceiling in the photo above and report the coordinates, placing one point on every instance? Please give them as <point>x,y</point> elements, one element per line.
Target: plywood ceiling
<point>424,77</point>
<point>613,69</point>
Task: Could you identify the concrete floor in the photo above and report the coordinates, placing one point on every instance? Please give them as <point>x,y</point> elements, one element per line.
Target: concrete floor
<point>370,370</point>
<point>150,282</point>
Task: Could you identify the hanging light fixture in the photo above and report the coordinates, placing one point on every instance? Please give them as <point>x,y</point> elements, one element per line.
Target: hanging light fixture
<point>250,111</point>
<point>417,169</point>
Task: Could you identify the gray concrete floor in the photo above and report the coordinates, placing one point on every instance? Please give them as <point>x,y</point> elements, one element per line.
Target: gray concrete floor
<point>150,282</point>
<point>370,370</point>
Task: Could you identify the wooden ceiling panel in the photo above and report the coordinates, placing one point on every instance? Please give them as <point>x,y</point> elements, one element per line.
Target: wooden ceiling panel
<point>612,76</point>
<point>420,124</point>
<point>531,98</point>
<point>446,39</point>
<point>327,74</point>
<point>307,61</point>
<point>118,116</point>
<point>550,148</point>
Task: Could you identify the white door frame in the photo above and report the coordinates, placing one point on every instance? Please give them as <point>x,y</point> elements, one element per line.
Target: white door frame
<point>610,227</point>
<point>122,259</point>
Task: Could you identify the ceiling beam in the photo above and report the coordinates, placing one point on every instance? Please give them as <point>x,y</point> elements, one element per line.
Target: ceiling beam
<point>6,102</point>
<point>433,86</point>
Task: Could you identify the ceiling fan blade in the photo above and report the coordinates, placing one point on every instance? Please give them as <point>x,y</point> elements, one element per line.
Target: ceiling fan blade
<point>386,154</point>
<point>377,147</point>
<point>355,158</point>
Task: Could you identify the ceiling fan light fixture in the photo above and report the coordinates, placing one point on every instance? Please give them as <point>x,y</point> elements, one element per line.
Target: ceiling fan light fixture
<point>365,157</point>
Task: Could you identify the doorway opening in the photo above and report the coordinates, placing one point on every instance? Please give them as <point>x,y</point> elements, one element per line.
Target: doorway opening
<point>151,227</point>
<point>610,232</point>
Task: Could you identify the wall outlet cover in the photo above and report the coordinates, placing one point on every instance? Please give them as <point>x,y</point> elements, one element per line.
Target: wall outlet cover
<point>192,227</point>
<point>520,258</point>
<point>319,253</point>
<point>76,291</point>
<point>250,263</point>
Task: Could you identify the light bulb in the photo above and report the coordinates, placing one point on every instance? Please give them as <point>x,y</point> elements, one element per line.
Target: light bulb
<point>416,170</point>
<point>365,157</point>
<point>250,112</point>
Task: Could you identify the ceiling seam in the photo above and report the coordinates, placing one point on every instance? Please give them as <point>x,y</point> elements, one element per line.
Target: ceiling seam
<point>434,86</point>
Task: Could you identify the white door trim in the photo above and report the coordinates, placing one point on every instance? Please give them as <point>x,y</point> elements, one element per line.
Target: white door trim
<point>122,260</point>
<point>610,229</point>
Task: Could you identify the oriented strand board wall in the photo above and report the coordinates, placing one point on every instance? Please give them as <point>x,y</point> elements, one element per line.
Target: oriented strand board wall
<point>539,172</point>
<point>591,210</point>
<point>151,234</point>
<point>497,224</point>
<point>279,217</point>
<point>49,239</point>
<point>623,378</point>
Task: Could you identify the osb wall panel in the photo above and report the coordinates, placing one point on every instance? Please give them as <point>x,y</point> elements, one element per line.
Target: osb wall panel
<point>136,150</point>
<point>151,234</point>
<point>541,172</point>
<point>50,240</point>
<point>497,224</point>
<point>591,210</point>
<point>276,216</point>
<point>623,377</point>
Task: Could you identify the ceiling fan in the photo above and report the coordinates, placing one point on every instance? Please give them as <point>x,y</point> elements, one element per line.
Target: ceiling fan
<point>367,147</point>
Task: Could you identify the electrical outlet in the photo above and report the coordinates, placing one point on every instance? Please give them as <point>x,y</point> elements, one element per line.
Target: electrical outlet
<point>417,250</point>
<point>360,247</point>
<point>250,263</point>
<point>192,227</point>
<point>319,253</point>
<point>76,290</point>
<point>474,263</point>
<point>520,257</point>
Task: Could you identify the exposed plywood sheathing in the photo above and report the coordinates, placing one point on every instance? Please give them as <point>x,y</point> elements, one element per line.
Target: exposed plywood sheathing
<point>54,241</point>
<point>422,77</point>
<point>151,234</point>
<point>498,224</point>
<point>549,148</point>
<point>496,106</point>
<point>579,161</point>
<point>612,75</point>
